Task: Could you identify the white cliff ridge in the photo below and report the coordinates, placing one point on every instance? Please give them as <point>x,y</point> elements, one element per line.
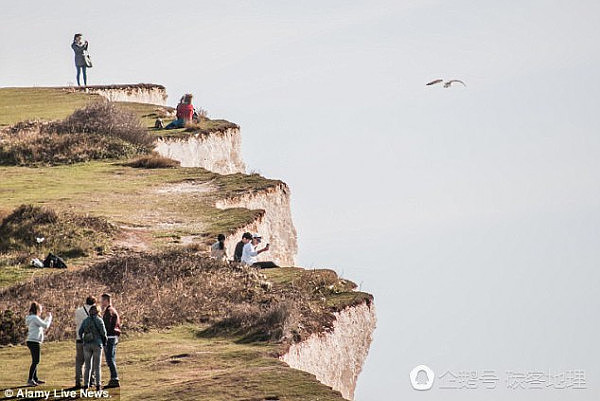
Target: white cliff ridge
<point>336,357</point>
<point>137,93</point>
<point>219,151</point>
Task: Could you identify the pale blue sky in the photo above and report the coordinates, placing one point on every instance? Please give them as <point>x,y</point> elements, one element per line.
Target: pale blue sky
<point>470,213</point>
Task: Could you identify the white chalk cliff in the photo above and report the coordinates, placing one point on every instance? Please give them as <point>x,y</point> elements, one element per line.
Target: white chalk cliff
<point>220,151</point>
<point>137,93</point>
<point>336,357</point>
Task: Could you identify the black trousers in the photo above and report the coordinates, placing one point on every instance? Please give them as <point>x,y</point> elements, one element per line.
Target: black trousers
<point>264,265</point>
<point>36,354</point>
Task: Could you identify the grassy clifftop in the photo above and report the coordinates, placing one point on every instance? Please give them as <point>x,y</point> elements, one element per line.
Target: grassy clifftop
<point>19,104</point>
<point>193,328</point>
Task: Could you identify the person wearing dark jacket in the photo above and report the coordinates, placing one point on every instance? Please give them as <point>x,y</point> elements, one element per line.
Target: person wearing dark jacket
<point>239,248</point>
<point>80,46</point>
<point>93,333</point>
<point>113,329</point>
<point>81,313</point>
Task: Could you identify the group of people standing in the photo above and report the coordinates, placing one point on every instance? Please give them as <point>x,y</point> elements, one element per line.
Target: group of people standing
<point>93,335</point>
<point>246,251</point>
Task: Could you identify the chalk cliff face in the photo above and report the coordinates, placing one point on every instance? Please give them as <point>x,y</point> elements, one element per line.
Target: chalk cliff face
<point>275,225</point>
<point>138,93</point>
<point>336,357</point>
<point>219,151</point>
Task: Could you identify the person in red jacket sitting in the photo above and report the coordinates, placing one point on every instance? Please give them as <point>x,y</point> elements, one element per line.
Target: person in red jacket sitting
<point>185,112</point>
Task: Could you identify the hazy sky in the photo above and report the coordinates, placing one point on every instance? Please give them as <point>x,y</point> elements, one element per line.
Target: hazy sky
<point>470,213</point>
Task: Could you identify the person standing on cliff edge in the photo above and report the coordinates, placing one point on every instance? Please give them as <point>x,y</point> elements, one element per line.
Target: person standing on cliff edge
<point>82,57</point>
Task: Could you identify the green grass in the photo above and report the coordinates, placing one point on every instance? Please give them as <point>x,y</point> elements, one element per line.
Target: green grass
<point>176,364</point>
<point>123,194</point>
<point>18,104</point>
<point>129,197</point>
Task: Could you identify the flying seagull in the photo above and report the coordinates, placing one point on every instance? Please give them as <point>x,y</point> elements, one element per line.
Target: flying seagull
<point>40,239</point>
<point>447,84</point>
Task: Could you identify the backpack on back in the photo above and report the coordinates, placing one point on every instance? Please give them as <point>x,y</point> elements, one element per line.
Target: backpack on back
<point>89,334</point>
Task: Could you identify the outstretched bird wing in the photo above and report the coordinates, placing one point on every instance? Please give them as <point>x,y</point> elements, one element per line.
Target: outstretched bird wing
<point>435,81</point>
<point>447,84</point>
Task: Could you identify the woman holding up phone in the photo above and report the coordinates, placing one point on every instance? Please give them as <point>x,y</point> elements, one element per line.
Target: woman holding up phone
<point>82,61</point>
<point>35,338</point>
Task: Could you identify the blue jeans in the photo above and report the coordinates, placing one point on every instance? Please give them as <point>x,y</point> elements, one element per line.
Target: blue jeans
<point>84,69</point>
<point>111,357</point>
<point>179,123</point>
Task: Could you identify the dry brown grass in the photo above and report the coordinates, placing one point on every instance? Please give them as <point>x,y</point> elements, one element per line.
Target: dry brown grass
<point>32,144</point>
<point>153,161</point>
<point>100,130</point>
<point>160,290</point>
<point>108,119</point>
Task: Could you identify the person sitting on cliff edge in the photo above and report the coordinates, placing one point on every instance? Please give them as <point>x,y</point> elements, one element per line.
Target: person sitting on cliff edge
<point>217,250</point>
<point>250,253</point>
<point>185,113</point>
<point>239,248</point>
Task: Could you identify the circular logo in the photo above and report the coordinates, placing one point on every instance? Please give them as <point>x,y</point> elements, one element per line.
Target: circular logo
<point>8,393</point>
<point>422,378</point>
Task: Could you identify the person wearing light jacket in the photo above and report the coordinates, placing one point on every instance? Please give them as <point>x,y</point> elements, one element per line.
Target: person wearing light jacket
<point>35,338</point>
<point>81,314</point>
<point>250,252</point>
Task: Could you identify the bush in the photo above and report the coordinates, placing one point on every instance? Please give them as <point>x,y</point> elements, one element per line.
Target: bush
<point>153,161</point>
<point>183,288</point>
<point>34,143</point>
<point>12,328</point>
<point>67,235</point>
<point>107,119</point>
<point>254,322</point>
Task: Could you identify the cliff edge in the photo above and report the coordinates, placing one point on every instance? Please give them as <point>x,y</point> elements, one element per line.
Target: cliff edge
<point>129,227</point>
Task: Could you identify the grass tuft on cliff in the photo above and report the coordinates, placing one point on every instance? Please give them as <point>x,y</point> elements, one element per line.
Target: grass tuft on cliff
<point>153,161</point>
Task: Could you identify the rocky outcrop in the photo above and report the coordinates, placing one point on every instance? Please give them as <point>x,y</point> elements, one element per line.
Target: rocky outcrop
<point>336,357</point>
<point>275,225</point>
<point>137,93</point>
<point>219,151</point>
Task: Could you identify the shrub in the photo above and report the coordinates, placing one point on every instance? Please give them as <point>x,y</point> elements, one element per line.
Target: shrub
<point>12,328</point>
<point>68,235</point>
<point>28,144</point>
<point>153,161</point>
<point>256,322</point>
<point>107,119</point>
<point>163,289</point>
